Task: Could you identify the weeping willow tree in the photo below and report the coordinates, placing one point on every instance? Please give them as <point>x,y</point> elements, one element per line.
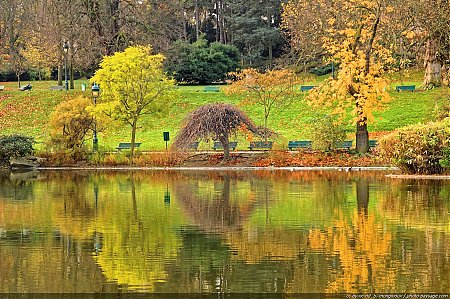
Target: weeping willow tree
<point>217,122</point>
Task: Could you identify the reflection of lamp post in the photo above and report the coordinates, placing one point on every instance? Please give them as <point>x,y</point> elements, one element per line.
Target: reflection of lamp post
<point>66,50</point>
<point>95,93</point>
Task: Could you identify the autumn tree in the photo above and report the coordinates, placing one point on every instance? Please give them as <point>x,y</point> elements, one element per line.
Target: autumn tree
<point>14,26</point>
<point>270,90</point>
<point>133,84</point>
<point>70,123</point>
<point>353,38</point>
<point>431,24</point>
<point>214,121</point>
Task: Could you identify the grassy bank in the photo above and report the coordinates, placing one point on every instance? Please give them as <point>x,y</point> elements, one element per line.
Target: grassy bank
<point>28,113</point>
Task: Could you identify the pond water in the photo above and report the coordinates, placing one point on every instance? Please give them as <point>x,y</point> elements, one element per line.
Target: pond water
<point>223,232</point>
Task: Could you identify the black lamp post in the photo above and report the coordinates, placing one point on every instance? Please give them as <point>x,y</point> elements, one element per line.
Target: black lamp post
<point>95,93</point>
<point>66,51</point>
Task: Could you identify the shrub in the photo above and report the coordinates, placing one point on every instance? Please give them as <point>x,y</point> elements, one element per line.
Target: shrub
<point>325,132</point>
<point>418,149</point>
<point>70,123</point>
<point>14,146</point>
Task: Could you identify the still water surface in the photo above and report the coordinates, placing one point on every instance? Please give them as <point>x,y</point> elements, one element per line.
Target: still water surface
<point>223,232</point>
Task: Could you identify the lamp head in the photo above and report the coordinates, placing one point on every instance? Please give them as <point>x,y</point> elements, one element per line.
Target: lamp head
<point>95,90</point>
<point>66,46</point>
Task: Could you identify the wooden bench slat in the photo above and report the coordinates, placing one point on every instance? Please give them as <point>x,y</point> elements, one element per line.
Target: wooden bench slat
<point>211,88</point>
<point>193,146</point>
<point>264,145</point>
<point>218,145</point>
<point>345,145</point>
<point>127,145</point>
<point>306,144</point>
<point>399,88</point>
<point>306,87</point>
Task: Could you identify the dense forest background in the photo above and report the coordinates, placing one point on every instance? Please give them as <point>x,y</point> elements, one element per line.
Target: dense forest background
<point>229,34</point>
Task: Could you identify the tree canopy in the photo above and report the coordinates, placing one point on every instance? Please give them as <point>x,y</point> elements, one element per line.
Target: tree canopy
<point>133,84</point>
<point>214,121</point>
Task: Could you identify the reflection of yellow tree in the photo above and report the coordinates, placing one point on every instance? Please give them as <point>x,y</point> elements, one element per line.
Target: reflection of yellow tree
<point>364,250</point>
<point>127,214</point>
<point>138,235</point>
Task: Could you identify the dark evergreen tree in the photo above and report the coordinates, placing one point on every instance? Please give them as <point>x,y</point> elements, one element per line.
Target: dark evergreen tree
<point>201,62</point>
<point>253,27</point>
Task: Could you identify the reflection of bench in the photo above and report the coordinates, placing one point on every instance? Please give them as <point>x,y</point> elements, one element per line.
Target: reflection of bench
<point>345,145</point>
<point>299,144</point>
<point>211,88</point>
<point>26,87</point>
<point>405,88</point>
<point>218,145</point>
<point>127,145</point>
<point>264,145</point>
<point>59,87</point>
<point>373,143</point>
<point>193,146</point>
<point>2,88</point>
<point>306,87</point>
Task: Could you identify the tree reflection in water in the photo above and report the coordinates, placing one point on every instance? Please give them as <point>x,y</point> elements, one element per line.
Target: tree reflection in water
<point>268,231</point>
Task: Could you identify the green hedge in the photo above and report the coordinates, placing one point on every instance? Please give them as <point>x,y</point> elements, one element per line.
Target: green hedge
<point>419,149</point>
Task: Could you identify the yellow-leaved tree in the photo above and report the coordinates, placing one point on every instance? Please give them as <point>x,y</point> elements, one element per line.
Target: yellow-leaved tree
<point>271,89</point>
<point>133,84</point>
<point>353,38</point>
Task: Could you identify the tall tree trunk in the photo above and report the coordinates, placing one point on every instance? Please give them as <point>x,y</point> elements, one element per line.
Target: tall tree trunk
<point>72,85</point>
<point>433,66</point>
<point>18,79</point>
<point>362,138</point>
<point>221,16</point>
<point>197,20</point>
<point>60,74</point>
<point>226,147</point>
<point>217,21</point>
<point>362,134</point>
<point>133,137</point>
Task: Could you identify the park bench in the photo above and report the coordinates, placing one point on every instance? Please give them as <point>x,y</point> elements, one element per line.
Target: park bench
<point>211,89</point>
<point>405,88</point>
<point>58,87</point>
<point>193,146</point>
<point>345,145</point>
<point>306,87</point>
<point>26,87</point>
<point>373,143</point>
<point>295,144</point>
<point>2,88</point>
<point>127,145</point>
<point>218,145</point>
<point>263,145</point>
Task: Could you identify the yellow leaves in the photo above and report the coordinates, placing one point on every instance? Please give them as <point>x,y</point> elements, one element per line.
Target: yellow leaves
<point>266,89</point>
<point>133,83</point>
<point>361,244</point>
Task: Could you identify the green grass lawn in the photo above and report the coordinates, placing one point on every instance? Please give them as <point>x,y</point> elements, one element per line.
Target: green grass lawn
<point>28,113</point>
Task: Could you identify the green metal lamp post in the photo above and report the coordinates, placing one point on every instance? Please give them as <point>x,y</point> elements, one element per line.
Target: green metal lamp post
<point>95,93</point>
<point>66,51</point>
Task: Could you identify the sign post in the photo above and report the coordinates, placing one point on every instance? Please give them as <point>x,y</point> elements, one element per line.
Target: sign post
<point>166,138</point>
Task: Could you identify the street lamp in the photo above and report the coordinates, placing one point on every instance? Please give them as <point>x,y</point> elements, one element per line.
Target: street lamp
<point>95,93</point>
<point>66,51</point>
